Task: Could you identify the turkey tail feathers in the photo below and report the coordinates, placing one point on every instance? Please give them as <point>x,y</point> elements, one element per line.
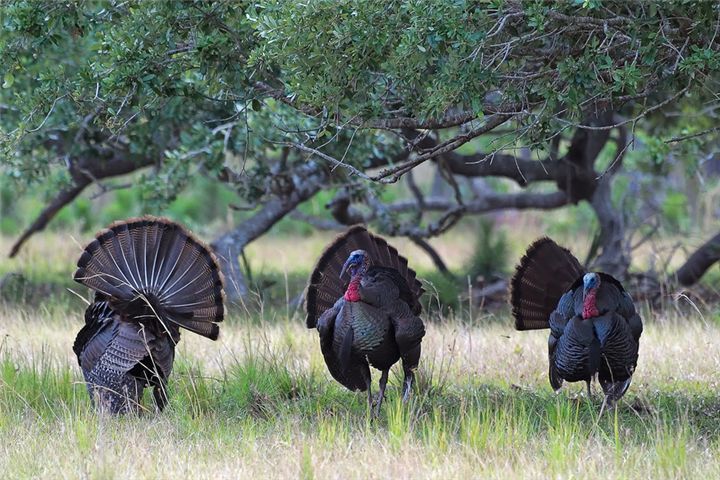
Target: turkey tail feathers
<point>544,274</point>
<point>153,267</point>
<point>326,286</point>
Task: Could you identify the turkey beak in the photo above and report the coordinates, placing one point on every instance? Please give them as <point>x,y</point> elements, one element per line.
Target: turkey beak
<point>348,263</point>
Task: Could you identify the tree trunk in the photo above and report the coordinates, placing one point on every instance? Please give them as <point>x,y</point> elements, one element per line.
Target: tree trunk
<point>613,258</point>
<point>699,262</point>
<point>583,182</point>
<point>307,179</point>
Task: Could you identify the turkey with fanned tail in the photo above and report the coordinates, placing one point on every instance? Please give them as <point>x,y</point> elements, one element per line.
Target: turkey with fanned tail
<point>594,327</point>
<point>150,277</point>
<point>370,318</point>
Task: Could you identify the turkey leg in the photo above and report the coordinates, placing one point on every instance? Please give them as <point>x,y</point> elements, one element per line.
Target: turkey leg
<point>368,384</point>
<point>407,385</point>
<point>160,395</point>
<point>381,393</point>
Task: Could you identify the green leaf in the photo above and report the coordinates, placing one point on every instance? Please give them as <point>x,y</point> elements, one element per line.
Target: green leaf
<point>8,80</point>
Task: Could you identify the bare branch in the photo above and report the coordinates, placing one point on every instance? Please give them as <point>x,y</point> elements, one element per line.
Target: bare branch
<point>48,213</point>
<point>693,135</point>
<point>317,222</point>
<point>84,171</point>
<point>342,210</point>
<point>489,203</point>
<point>434,256</point>
<point>698,263</point>
<point>597,22</point>
<point>497,164</point>
<point>328,158</point>
<point>393,174</point>
<point>52,109</point>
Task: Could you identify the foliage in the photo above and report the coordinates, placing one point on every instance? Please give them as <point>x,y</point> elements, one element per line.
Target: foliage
<point>178,81</point>
<point>282,101</point>
<point>443,293</point>
<point>675,210</point>
<point>490,257</point>
<point>202,202</point>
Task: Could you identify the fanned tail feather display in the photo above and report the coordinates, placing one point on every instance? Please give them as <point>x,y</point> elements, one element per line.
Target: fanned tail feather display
<point>326,286</point>
<point>153,268</point>
<point>544,274</point>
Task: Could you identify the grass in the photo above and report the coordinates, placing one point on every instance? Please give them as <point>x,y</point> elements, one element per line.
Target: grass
<point>259,402</point>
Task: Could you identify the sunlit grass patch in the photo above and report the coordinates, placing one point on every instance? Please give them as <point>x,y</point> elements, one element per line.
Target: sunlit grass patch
<point>44,388</point>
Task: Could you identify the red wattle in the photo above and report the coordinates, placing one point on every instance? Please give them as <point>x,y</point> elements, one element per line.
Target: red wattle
<point>352,294</point>
<point>589,307</point>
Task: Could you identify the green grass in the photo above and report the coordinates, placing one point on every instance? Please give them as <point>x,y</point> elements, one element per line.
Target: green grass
<point>260,402</point>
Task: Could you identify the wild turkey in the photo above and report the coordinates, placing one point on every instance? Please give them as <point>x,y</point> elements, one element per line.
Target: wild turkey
<point>594,328</point>
<point>150,277</point>
<point>370,319</point>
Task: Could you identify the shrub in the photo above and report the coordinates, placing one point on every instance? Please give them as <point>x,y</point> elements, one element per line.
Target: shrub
<point>490,257</point>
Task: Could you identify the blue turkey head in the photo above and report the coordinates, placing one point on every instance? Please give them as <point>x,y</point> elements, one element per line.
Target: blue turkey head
<point>356,261</point>
<point>590,280</point>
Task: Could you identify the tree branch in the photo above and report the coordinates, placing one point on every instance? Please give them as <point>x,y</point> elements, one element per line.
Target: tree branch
<point>393,174</point>
<point>317,222</point>
<point>308,179</point>
<point>84,171</point>
<point>520,170</point>
<point>434,256</point>
<point>698,263</point>
<point>342,211</point>
<point>488,203</point>
<point>63,198</point>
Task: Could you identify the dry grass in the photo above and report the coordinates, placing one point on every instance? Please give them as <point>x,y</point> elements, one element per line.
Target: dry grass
<point>259,402</point>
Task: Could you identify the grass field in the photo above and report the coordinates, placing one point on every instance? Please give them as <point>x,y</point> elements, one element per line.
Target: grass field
<point>259,403</point>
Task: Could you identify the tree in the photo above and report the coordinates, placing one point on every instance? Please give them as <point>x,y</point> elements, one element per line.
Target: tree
<point>286,99</point>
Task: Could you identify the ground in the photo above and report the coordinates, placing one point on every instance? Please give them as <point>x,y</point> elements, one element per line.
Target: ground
<point>259,403</point>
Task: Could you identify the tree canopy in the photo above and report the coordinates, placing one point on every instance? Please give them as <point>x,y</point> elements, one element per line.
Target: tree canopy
<point>282,100</point>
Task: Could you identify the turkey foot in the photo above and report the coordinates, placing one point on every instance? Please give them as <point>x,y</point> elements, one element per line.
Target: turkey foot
<point>608,405</point>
